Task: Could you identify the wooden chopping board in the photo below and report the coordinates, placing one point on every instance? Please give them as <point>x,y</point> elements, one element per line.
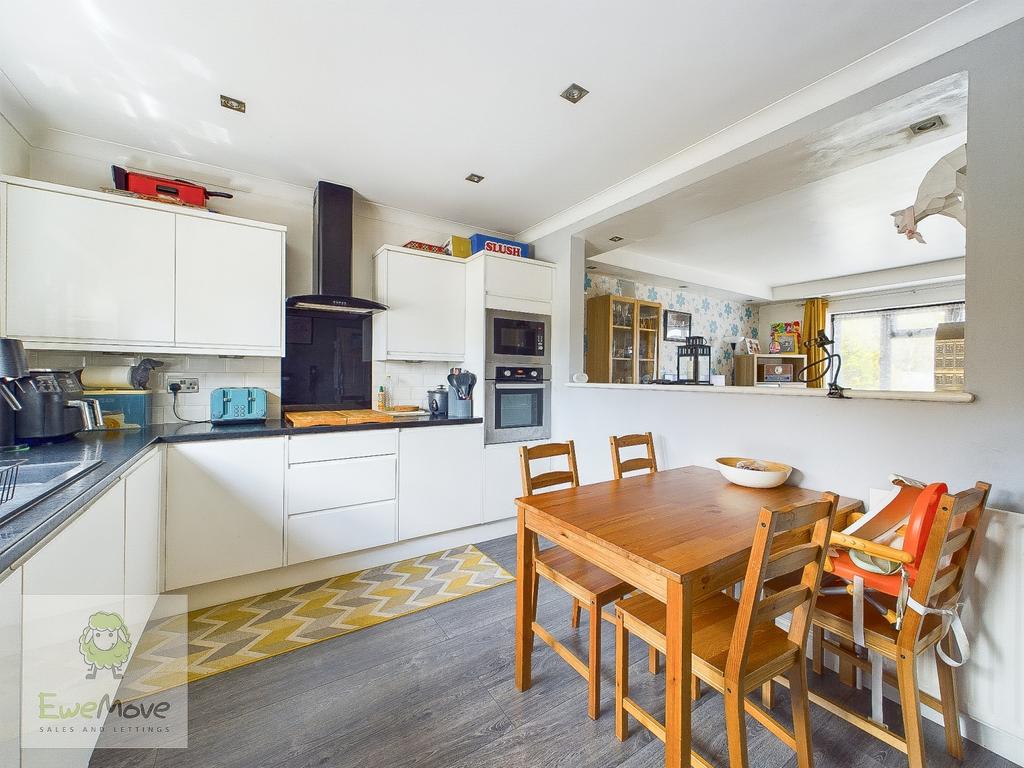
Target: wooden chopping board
<point>336,418</point>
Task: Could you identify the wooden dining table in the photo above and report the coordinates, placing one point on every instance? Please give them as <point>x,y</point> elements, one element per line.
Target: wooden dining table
<point>678,535</point>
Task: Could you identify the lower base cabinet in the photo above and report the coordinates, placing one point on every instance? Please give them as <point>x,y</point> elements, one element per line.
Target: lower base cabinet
<point>503,482</point>
<point>86,558</point>
<point>440,479</point>
<point>225,509</point>
<point>10,670</point>
<point>336,531</point>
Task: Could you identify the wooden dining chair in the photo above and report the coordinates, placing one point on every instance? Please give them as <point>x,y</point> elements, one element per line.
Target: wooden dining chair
<point>584,582</point>
<point>938,587</point>
<point>620,466</point>
<point>736,645</point>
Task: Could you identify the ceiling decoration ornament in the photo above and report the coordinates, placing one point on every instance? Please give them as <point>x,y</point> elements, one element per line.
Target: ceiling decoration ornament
<point>942,192</point>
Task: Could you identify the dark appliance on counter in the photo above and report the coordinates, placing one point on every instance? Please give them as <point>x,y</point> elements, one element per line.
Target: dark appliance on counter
<point>517,338</point>
<point>328,333</point>
<point>518,404</point>
<point>13,366</point>
<point>53,408</point>
<point>693,361</point>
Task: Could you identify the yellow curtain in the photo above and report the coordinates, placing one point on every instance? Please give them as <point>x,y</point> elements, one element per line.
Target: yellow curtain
<point>815,311</point>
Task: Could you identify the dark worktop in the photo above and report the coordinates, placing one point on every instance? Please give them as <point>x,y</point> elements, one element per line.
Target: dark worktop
<point>118,450</point>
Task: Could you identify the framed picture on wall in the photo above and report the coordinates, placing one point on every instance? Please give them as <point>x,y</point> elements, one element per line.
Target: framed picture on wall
<point>676,325</point>
<point>789,343</point>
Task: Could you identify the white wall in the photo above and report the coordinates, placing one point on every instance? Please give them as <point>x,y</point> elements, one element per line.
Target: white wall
<point>14,151</point>
<point>852,446</point>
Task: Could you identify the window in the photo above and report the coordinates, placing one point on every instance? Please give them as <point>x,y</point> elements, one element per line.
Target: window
<point>891,349</point>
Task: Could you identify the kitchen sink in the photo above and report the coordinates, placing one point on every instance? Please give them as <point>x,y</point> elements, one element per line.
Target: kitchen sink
<point>38,481</point>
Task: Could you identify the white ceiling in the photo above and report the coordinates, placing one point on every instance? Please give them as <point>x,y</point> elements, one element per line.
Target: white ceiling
<point>814,209</point>
<point>401,99</point>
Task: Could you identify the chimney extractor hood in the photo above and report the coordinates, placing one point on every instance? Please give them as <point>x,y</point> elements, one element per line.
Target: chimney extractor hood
<point>332,256</point>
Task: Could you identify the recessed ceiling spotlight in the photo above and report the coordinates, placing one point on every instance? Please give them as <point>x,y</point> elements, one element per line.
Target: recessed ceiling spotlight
<point>928,124</point>
<point>684,286</point>
<point>574,93</point>
<point>615,239</point>
<point>229,102</point>
<point>476,178</point>
<point>591,266</point>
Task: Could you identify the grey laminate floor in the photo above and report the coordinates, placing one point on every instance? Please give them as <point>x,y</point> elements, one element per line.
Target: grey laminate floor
<point>435,689</point>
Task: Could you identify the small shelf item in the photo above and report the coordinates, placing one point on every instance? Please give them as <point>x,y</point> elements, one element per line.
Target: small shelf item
<point>622,339</point>
<point>779,370</point>
<point>693,361</point>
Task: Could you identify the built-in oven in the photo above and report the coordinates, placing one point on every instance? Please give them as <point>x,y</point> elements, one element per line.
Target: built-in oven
<point>518,404</point>
<point>517,338</point>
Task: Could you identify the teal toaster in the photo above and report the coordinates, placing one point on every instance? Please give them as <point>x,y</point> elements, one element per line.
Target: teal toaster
<point>238,405</point>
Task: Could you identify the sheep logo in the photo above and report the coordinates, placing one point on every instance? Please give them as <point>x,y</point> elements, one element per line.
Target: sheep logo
<point>105,644</point>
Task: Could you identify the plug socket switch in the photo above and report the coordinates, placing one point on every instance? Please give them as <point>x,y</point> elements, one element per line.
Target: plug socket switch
<point>186,384</point>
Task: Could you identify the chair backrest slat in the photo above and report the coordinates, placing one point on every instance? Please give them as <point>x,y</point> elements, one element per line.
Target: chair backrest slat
<point>621,466</point>
<point>956,541</point>
<point>569,476</point>
<point>944,579</point>
<point>789,560</point>
<point>781,603</point>
<point>780,549</point>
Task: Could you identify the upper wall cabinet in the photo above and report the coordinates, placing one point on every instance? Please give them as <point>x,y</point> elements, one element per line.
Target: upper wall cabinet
<point>228,286</point>
<point>92,271</point>
<point>519,285</point>
<point>84,270</point>
<point>426,298</point>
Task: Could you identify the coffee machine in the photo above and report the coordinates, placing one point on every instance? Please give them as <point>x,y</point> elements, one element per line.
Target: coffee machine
<point>13,366</point>
<point>53,408</point>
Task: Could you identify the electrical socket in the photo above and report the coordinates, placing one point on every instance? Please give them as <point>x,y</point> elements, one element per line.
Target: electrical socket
<point>188,384</point>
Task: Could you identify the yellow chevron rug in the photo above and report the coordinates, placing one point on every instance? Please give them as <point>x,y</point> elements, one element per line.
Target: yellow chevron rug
<point>245,631</point>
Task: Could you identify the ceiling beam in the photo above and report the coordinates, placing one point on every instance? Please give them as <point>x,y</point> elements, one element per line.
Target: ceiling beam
<point>944,271</point>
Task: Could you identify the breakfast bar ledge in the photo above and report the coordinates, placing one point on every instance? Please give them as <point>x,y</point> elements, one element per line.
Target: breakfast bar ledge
<point>852,394</point>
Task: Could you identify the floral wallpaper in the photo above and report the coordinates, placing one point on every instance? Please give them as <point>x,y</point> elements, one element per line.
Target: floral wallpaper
<point>713,318</point>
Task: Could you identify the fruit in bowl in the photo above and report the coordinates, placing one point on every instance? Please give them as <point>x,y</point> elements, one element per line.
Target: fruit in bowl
<point>753,473</point>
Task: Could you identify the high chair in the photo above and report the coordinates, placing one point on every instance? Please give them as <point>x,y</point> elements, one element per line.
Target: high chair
<point>737,645</point>
<point>930,613</point>
<point>583,581</point>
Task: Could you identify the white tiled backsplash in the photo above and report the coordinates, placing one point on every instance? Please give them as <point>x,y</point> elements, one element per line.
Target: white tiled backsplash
<point>212,372</point>
<point>410,380</point>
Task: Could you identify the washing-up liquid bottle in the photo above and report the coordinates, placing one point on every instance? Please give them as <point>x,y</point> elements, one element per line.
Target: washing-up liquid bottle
<point>382,399</point>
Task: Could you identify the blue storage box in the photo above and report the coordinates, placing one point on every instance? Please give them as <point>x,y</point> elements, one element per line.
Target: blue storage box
<point>499,245</point>
<point>123,408</point>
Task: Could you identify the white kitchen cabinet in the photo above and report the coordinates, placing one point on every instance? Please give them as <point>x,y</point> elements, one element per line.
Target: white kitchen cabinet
<point>426,298</point>
<point>93,271</point>
<point>225,509</point>
<point>228,286</point>
<point>330,484</point>
<point>143,521</point>
<point>86,557</point>
<point>440,479</point>
<point>10,670</point>
<point>510,280</point>
<point>503,482</point>
<point>82,271</point>
<point>336,531</point>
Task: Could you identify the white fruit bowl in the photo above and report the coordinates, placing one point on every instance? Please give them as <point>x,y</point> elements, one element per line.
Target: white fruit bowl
<point>771,475</point>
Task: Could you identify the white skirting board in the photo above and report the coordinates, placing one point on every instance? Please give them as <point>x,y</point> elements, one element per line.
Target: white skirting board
<point>217,592</point>
<point>992,682</point>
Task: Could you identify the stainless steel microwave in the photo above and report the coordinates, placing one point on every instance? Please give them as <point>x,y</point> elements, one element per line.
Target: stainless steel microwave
<point>517,338</point>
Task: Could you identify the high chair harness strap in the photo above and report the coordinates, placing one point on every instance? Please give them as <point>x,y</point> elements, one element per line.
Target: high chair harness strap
<point>950,623</point>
